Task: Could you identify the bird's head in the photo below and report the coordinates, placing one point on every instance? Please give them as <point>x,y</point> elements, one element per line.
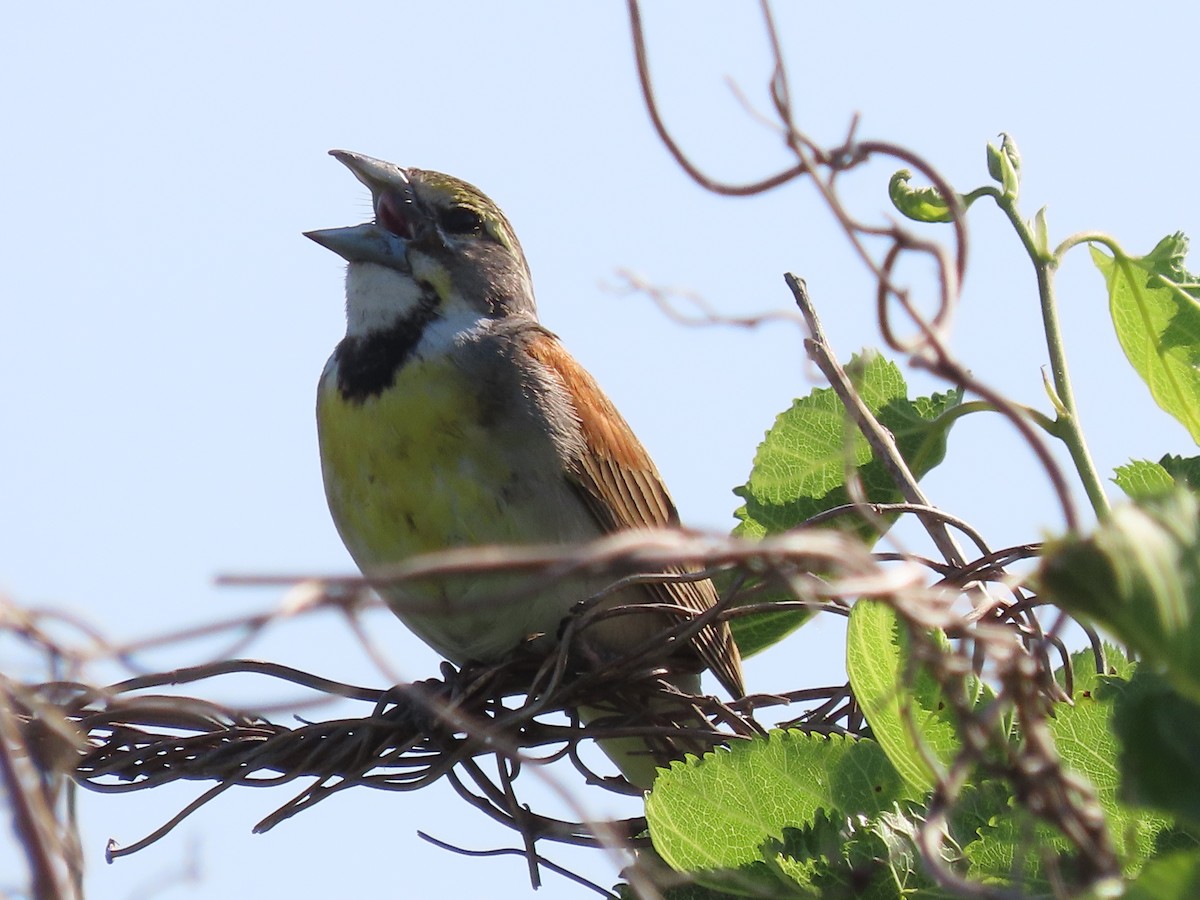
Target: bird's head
<point>434,238</point>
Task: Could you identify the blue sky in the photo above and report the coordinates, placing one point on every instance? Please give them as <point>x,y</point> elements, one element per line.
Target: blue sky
<point>163,321</point>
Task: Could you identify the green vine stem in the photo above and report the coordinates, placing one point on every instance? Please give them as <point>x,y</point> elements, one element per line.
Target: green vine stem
<point>1066,426</point>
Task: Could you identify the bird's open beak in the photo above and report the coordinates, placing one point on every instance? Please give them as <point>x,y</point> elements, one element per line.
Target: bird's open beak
<point>384,241</point>
<point>365,243</point>
<point>374,173</point>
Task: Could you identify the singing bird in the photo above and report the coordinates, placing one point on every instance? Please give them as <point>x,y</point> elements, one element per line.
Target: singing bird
<point>449,417</point>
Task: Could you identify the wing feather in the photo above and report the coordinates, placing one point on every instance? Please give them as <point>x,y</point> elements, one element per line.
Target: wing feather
<point>622,488</point>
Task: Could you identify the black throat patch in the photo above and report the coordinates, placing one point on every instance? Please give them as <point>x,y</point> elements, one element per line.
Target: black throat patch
<point>367,364</point>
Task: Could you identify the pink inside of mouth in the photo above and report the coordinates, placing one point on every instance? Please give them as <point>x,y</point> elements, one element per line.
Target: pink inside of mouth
<point>391,213</point>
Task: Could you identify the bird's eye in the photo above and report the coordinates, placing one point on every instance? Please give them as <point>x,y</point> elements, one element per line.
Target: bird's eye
<point>462,220</point>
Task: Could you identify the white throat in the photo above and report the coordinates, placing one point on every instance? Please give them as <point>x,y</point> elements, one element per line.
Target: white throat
<point>376,296</point>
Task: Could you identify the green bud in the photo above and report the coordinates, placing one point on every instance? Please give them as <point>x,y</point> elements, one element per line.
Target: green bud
<point>1004,165</point>
<point>919,204</point>
<point>1041,234</point>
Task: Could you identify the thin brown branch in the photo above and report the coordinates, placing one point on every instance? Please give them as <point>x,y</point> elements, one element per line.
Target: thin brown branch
<point>717,187</point>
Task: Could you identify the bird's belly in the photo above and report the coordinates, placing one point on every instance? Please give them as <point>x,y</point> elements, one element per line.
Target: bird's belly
<point>429,465</point>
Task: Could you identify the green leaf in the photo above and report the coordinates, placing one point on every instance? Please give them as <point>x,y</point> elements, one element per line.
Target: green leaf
<point>976,808</point>
<point>875,858</point>
<point>1085,739</point>
<point>800,467</point>
<point>814,858</point>
<point>1010,851</point>
<point>677,892</point>
<point>907,875</point>
<point>1138,576</point>
<point>1172,877</point>
<point>800,470</point>
<point>719,812</point>
<point>920,204</point>
<point>1159,734</point>
<point>1142,478</point>
<point>1185,471</point>
<point>1083,667</point>
<point>762,630</point>
<point>1157,318</point>
<point>902,702</point>
<point>765,629</point>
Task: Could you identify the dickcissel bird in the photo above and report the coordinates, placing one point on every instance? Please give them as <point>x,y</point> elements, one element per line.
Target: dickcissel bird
<point>449,417</point>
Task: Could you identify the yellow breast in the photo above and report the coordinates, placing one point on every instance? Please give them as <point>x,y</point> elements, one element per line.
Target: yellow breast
<point>413,469</point>
<point>434,462</point>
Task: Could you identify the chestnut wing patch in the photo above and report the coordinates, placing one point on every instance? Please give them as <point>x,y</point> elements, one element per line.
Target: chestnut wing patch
<point>623,490</point>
